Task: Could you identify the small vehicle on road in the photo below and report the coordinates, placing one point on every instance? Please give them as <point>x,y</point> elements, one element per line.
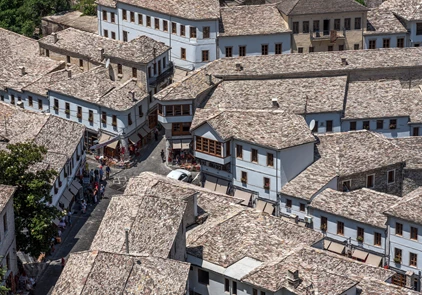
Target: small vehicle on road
<point>180,174</point>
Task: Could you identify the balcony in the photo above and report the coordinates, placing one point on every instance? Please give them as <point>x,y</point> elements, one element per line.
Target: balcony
<point>155,81</point>
<point>326,35</point>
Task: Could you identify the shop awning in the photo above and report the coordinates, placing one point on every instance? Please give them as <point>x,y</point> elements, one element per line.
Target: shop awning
<point>269,208</point>
<point>65,199</point>
<point>185,145</point>
<point>142,132</point>
<point>327,244</point>
<point>176,145</point>
<point>134,138</point>
<point>373,260</point>
<point>210,183</point>
<point>77,185</point>
<point>260,205</point>
<point>246,197</point>
<point>73,190</point>
<point>113,145</point>
<point>222,186</point>
<point>336,248</point>
<point>360,254</point>
<point>104,138</point>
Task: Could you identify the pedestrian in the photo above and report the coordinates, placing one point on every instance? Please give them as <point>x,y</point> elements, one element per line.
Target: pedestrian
<point>102,191</point>
<point>83,207</point>
<point>101,173</point>
<point>69,217</point>
<point>86,167</point>
<point>63,262</point>
<point>163,156</point>
<point>91,175</point>
<point>108,172</point>
<point>156,134</point>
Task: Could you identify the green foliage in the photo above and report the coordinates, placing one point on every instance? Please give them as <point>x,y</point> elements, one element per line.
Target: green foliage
<point>32,215</point>
<point>361,2</point>
<point>3,289</point>
<point>23,16</point>
<point>87,7</point>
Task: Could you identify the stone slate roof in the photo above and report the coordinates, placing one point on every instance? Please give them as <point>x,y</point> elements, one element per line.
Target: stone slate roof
<point>407,9</point>
<point>383,21</point>
<point>412,150</point>
<point>409,208</point>
<point>368,99</point>
<point>375,287</point>
<point>371,205</point>
<point>299,96</point>
<point>246,20</point>
<point>187,9</point>
<point>102,91</point>
<point>414,101</point>
<point>88,45</point>
<point>75,19</point>
<point>18,51</point>
<point>6,193</point>
<point>98,272</point>
<point>327,272</point>
<point>278,130</point>
<point>303,7</point>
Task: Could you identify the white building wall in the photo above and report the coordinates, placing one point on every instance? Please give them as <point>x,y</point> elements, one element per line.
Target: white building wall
<point>379,40</point>
<point>402,129</point>
<point>414,38</point>
<point>322,118</point>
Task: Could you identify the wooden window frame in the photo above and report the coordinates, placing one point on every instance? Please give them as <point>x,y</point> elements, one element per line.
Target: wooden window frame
<point>104,117</point>
<point>165,26</point>
<point>372,44</point>
<point>267,183</point>
<point>400,42</point>
<point>398,254</point>
<point>358,23</point>
<point>174,28</point>
<point>413,259</point>
<point>67,108</point>
<point>208,146</point>
<point>295,27</point>
<point>340,228</point>
<point>239,151</point>
<point>386,43</point>
<point>105,18</point>
<point>134,73</point>
<point>289,203</point>
<point>182,30</point>
<point>254,155</point>
<point>229,51</point>
<point>305,27</point>
<point>206,32</point>
<point>124,14</point>
<point>347,181</point>
<point>192,32</point>
<point>112,17</point>
<point>119,69</point>
<point>129,119</point>
<point>90,116</point>
<point>183,53</point>
<point>352,126</point>
<point>394,176</point>
<point>360,234</point>
<point>278,48</point>
<point>113,35</point>
<point>393,124</point>
<point>302,207</point>
<point>373,180</point>
<point>270,159</point>
<point>324,223</point>
<point>264,49</point>
<point>331,126</point>
<point>140,19</point>
<point>244,177</point>
<point>377,239</point>
<point>156,23</point>
<point>79,113</point>
<point>203,280</point>
<point>242,50</point>
<point>148,21</point>
<point>399,229</point>
<point>132,17</point>
<point>30,101</point>
<point>226,285</point>
<point>337,24</point>
<point>380,124</point>
<point>205,55</point>
<point>114,121</point>
<point>413,233</point>
<point>366,123</point>
<point>347,23</point>
<point>40,107</point>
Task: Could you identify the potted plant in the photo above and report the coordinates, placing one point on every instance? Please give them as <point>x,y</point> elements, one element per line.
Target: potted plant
<point>67,112</point>
<point>397,260</point>
<point>79,116</point>
<point>359,239</point>
<point>323,227</point>
<point>56,108</point>
<point>104,121</point>
<point>243,180</point>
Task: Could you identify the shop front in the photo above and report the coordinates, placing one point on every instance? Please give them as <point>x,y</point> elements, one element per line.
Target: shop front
<point>180,154</point>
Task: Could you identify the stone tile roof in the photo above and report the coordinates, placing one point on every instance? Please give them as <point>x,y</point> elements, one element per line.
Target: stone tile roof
<point>370,286</point>
<point>327,272</point>
<point>6,193</point>
<point>414,101</point>
<point>17,52</point>
<point>75,19</point>
<point>98,272</point>
<point>278,130</point>
<point>409,208</point>
<point>300,96</point>
<point>412,150</point>
<point>102,90</point>
<point>371,205</point>
<point>139,50</point>
<point>301,7</point>
<point>153,223</point>
<point>383,21</point>
<point>368,99</point>
<point>246,20</point>
<point>187,9</point>
<point>263,237</point>
<point>407,9</point>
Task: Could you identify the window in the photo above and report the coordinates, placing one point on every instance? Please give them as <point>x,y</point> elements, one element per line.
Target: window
<point>132,17</point>
<point>340,228</point>
<point>340,47</point>
<point>370,181</point>
<point>418,28</point>
<point>380,124</point>
<point>124,14</point>
<point>413,261</point>
<point>105,35</point>
<point>113,17</point>
<point>8,261</point>
<point>114,120</point>
<point>185,109</point>
<point>226,285</point>
<point>47,52</point>
<point>91,116</point>
<point>278,48</point>
<point>316,25</point>
<point>399,229</point>
<point>266,183</point>
<point>165,26</point>
<point>391,175</point>
<point>140,112</point>
<point>183,129</point>
<point>254,155</point>
<point>300,50</point>
<point>264,49</point>
<point>372,44</point>
<point>192,32</point>
<point>242,50</point>
<point>148,21</point>
<point>324,223</point>
<point>134,73</point>
<point>347,23</point>
<point>415,131</point>
<point>56,105</point>
<point>330,47</point>
<point>125,36</point>
<point>155,69</point>
<point>203,277</point>
<point>182,30</point>
<point>305,27</point>
<point>397,255</point>
<point>365,125</point>
<point>208,146</point>
<point>244,178</point>
<point>5,224</point>
<point>358,22</point>
<point>40,104</point>
<point>164,62</point>
<point>270,159</point>
<point>288,203</point>
<point>183,53</point>
<point>205,32</point>
<point>413,233</point>
<point>254,292</point>
<point>239,151</point>
<point>140,19</point>
<point>315,129</point>
<point>156,23</point>
<point>377,239</point>
<point>119,69</point>
<point>311,49</point>
<point>113,35</point>
<point>353,125</point>
<point>386,43</point>
<point>105,15</point>
<point>149,72</point>
<point>205,55</point>
<point>81,63</point>
<point>356,47</point>
<point>67,108</point>
<point>129,119</point>
<point>295,27</point>
<point>329,126</point>
<point>400,42</point>
<point>2,97</point>
<point>347,184</point>
<point>104,117</point>
<point>228,153</point>
<point>229,51</point>
<point>79,114</point>
<point>337,24</point>
<point>30,102</point>
<point>360,234</point>
<point>393,124</point>
<point>302,207</point>
<point>234,288</point>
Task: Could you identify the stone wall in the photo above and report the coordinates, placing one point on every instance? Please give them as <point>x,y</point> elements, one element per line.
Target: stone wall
<point>412,180</point>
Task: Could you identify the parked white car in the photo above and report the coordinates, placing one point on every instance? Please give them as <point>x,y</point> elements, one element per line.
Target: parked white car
<point>180,174</point>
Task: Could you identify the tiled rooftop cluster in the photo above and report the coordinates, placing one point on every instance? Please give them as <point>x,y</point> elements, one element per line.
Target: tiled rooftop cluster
<point>298,7</point>
<point>141,50</point>
<point>409,208</point>
<point>407,9</point>
<point>383,21</point>
<point>98,272</point>
<point>412,150</point>
<point>75,19</point>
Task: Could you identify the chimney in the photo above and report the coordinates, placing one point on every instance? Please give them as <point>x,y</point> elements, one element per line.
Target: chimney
<point>69,73</point>
<point>344,61</point>
<point>209,79</point>
<point>101,53</point>
<point>127,239</point>
<point>55,38</point>
<point>275,103</point>
<point>22,71</point>
<point>132,93</point>
<point>293,278</point>
<point>238,67</point>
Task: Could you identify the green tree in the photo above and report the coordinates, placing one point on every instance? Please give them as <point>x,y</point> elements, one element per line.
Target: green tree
<point>361,2</point>
<point>3,289</point>
<point>32,214</point>
<point>87,7</point>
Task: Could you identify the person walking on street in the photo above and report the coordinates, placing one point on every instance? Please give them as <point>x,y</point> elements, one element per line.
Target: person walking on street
<point>163,156</point>
<point>102,191</point>
<point>101,173</point>
<point>91,175</point>
<point>108,172</point>
<point>63,262</point>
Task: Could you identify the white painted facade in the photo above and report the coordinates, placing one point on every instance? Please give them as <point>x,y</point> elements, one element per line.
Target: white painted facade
<point>402,127</point>
<point>379,40</point>
<point>322,119</point>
